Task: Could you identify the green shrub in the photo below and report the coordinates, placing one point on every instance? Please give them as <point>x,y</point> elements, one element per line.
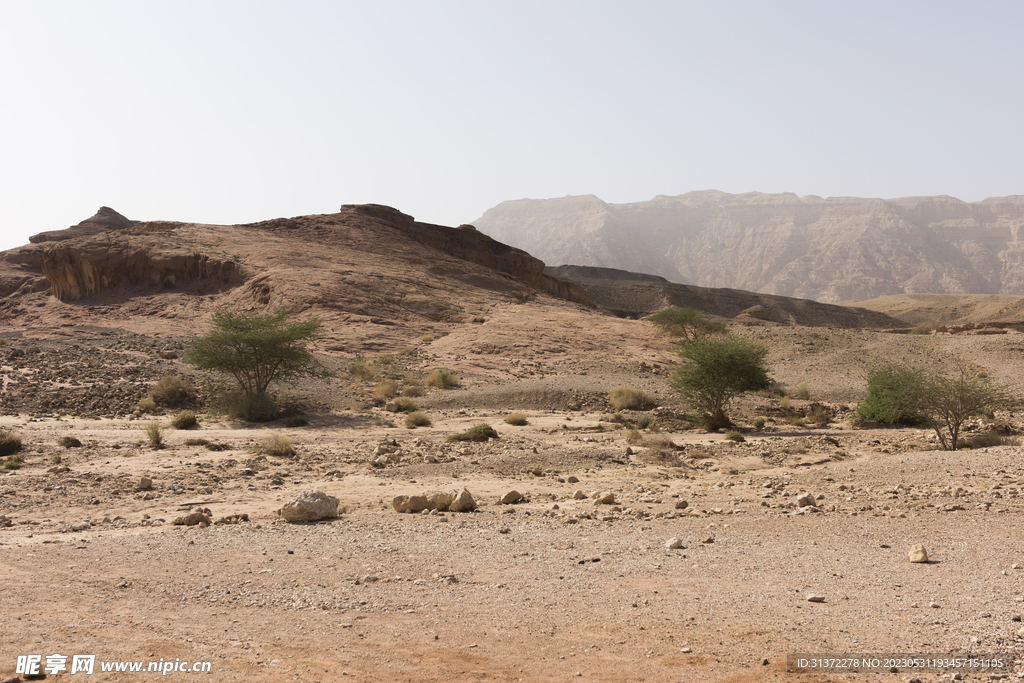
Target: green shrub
<point>517,419</point>
<point>628,398</point>
<point>803,392</point>
<point>296,421</point>
<point>413,391</point>
<point>385,390</point>
<point>759,424</point>
<point>417,419</point>
<point>408,351</point>
<point>13,462</point>
<point>155,434</point>
<point>10,443</point>
<point>618,417</point>
<point>644,421</point>
<point>734,436</point>
<point>360,371</point>
<point>480,432</point>
<point>184,420</point>
<point>404,404</point>
<point>280,446</point>
<point>894,396</point>
<point>172,391</point>
<point>147,404</point>
<point>69,442</point>
<point>686,323</point>
<point>426,339</point>
<point>443,378</point>
<point>479,320</point>
<point>798,422</point>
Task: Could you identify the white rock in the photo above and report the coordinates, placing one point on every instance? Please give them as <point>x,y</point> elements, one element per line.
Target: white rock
<point>805,499</point>
<point>578,495</point>
<point>309,506</point>
<point>673,543</point>
<point>918,553</point>
<point>512,496</point>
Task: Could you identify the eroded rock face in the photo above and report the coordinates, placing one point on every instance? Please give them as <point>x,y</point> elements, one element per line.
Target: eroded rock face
<point>105,220</point>
<point>84,266</point>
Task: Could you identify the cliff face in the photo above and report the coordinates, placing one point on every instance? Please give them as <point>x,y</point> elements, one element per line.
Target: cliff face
<point>824,249</point>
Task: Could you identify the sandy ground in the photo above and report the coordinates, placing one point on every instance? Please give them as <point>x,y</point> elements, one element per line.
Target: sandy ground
<point>550,589</point>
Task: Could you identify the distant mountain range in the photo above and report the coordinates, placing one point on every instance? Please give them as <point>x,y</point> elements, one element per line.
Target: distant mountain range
<point>829,250</point>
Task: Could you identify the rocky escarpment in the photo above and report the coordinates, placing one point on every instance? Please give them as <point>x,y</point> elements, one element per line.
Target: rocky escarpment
<point>84,266</point>
<point>105,220</point>
<point>834,249</point>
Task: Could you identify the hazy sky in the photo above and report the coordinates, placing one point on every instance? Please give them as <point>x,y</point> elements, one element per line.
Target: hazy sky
<point>229,112</point>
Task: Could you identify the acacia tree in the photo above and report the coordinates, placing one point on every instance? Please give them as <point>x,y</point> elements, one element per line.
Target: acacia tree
<point>717,370</point>
<point>686,323</point>
<point>257,350</point>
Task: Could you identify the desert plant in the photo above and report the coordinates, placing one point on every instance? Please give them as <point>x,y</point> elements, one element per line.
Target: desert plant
<point>717,370</point>
<point>147,404</point>
<point>798,422</point>
<point>479,320</point>
<point>257,350</point>
<point>360,371</point>
<point>733,435</point>
<point>924,328</point>
<point>197,442</point>
<point>10,442</point>
<point>384,423</point>
<point>686,324</point>
<point>802,392</point>
<point>69,442</point>
<point>634,437</point>
<point>426,339</point>
<point>894,396</point>
<point>248,407</point>
<point>218,447</point>
<point>618,417</point>
<point>172,391</point>
<point>629,398</point>
<point>385,390</point>
<point>784,403</point>
<point>413,391</point>
<point>184,420</point>
<point>948,402</point>
<point>12,462</point>
<point>480,432</point>
<point>759,424</point>
<point>155,434</point>
<point>404,404</point>
<point>989,439</point>
<point>417,419</point>
<point>819,414</point>
<point>644,421</point>
<point>408,351</point>
<point>280,446</point>
<point>296,421</point>
<point>518,418</point>
<point>442,378</point>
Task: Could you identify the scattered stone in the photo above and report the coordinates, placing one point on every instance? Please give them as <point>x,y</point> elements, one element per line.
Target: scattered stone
<point>805,499</point>
<point>708,539</point>
<point>511,497</point>
<point>673,543</point>
<point>439,500</point>
<point>1020,633</point>
<point>233,519</point>
<point>686,650</point>
<point>193,518</point>
<point>145,484</point>
<point>413,504</point>
<point>369,578</point>
<point>572,480</point>
<point>463,502</point>
<point>918,553</point>
<point>933,605</point>
<point>309,506</point>
<point>814,597</point>
<point>604,498</point>
<point>578,495</point>
<point>682,504</point>
<point>80,526</point>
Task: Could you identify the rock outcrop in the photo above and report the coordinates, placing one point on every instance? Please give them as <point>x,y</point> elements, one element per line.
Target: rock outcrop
<point>310,506</point>
<point>835,249</point>
<point>105,220</point>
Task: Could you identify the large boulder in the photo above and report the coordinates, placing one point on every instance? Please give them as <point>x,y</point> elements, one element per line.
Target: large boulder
<point>310,506</point>
<point>463,502</point>
<point>439,500</point>
<point>410,503</point>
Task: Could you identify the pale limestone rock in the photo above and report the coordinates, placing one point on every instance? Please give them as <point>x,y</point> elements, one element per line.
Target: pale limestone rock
<point>310,506</point>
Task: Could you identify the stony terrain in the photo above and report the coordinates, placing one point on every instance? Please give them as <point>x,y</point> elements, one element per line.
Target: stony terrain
<point>631,552</point>
<point>831,249</point>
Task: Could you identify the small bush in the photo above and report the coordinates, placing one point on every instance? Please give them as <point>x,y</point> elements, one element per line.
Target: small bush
<point>517,418</point>
<point>249,407</point>
<point>618,417</point>
<point>280,446</point>
<point>480,432</point>
<point>819,414</point>
<point>784,403</point>
<point>644,421</point>
<point>197,442</point>
<point>628,398</point>
<point>798,422</point>
<point>417,419</point>
<point>893,396</point>
<point>408,351</point>
<point>360,371</point>
<point>404,404</point>
<point>803,392</point>
<point>759,424</point>
<point>155,434</point>
<point>69,442</point>
<point>12,463</point>
<point>922,329</point>
<point>184,420</point>
<point>443,378</point>
<point>172,391</point>
<point>734,436</point>
<point>989,439</point>
<point>10,443</point>
<point>384,423</point>
<point>217,446</point>
<point>296,421</point>
<point>634,437</point>
<point>385,390</point>
<point>426,339</point>
<point>413,391</point>
<point>147,405</point>
<point>479,320</point>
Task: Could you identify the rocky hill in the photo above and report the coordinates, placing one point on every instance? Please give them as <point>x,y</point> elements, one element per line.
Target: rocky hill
<point>374,275</point>
<point>835,249</point>
<point>635,295</point>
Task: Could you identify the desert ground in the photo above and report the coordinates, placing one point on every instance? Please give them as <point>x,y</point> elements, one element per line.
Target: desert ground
<point>554,587</point>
